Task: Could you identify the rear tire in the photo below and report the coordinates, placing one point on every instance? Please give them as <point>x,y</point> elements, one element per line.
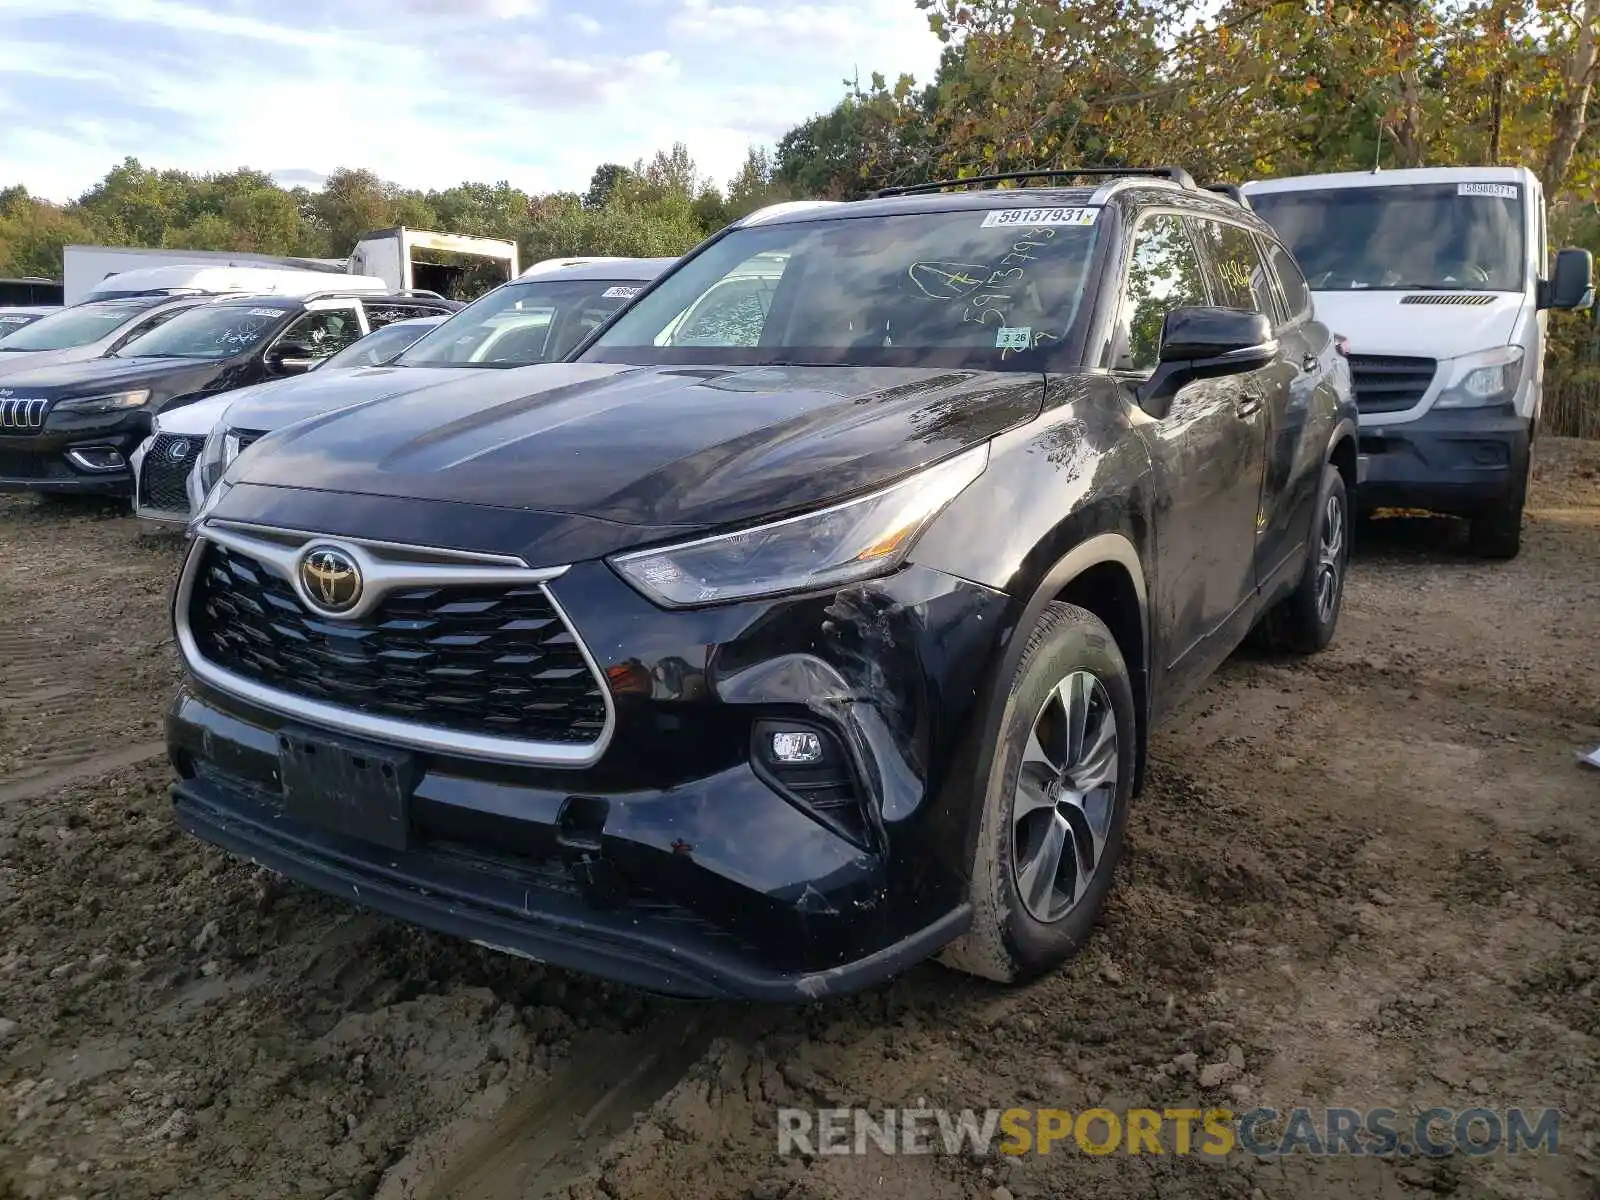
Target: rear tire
<point>1496,533</point>
<point>1304,621</point>
<point>1059,782</point>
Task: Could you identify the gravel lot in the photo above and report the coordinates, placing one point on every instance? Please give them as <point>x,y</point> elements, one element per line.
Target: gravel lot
<point>1372,878</point>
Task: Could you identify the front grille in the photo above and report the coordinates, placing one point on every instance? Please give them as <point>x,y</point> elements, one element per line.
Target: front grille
<point>243,439</point>
<point>19,414</point>
<point>164,474</point>
<point>1387,383</point>
<point>492,660</point>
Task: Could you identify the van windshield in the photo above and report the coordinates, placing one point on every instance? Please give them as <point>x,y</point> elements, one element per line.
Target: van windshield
<point>1437,236</point>
<point>71,327</point>
<point>976,288</point>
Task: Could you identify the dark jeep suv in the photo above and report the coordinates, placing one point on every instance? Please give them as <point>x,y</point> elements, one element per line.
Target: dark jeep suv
<point>811,621</point>
<point>70,428</point>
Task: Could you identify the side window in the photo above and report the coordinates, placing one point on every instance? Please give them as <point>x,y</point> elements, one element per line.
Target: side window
<point>1240,279</point>
<point>1164,274</point>
<point>1296,292</point>
<point>325,332</point>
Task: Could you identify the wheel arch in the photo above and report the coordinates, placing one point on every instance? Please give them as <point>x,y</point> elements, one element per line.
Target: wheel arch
<point>1103,573</point>
<point>1342,453</point>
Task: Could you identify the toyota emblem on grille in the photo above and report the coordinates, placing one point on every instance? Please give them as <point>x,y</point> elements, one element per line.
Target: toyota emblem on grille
<point>330,578</point>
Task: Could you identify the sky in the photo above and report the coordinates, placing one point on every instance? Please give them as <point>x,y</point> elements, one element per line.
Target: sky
<point>427,93</point>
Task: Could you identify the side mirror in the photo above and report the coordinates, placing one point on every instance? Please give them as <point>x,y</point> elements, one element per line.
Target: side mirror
<point>1572,285</point>
<point>1220,336</point>
<point>1199,343</point>
<point>291,358</point>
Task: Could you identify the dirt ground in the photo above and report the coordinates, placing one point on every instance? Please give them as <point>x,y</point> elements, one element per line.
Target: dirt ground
<point>1371,878</point>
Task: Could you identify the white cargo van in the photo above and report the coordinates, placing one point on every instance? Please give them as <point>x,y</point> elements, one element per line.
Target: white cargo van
<point>179,279</point>
<point>1438,277</point>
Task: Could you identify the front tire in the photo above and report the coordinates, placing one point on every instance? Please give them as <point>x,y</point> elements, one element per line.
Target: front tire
<point>1055,805</point>
<point>1496,533</point>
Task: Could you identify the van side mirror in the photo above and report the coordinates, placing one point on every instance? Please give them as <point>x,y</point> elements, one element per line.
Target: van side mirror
<point>1572,285</point>
<point>1201,343</point>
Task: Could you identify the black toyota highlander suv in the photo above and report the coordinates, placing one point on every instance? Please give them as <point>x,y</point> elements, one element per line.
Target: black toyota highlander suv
<point>68,429</point>
<point>811,621</point>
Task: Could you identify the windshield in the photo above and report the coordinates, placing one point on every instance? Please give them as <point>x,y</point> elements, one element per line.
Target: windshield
<point>376,348</point>
<point>1445,236</point>
<point>970,288</point>
<point>70,327</point>
<point>521,323</point>
<point>210,331</point>
<point>11,322</point>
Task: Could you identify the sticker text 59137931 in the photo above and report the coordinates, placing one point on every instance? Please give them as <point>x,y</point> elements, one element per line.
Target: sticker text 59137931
<point>1039,216</point>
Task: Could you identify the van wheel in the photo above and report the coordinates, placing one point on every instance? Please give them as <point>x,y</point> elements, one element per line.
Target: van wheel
<point>1496,533</point>
<point>1055,805</point>
<point>1304,621</point>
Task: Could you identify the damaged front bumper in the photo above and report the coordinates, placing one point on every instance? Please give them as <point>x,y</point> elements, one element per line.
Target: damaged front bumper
<point>683,860</point>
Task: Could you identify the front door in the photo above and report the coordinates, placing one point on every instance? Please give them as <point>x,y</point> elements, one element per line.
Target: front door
<point>1208,453</point>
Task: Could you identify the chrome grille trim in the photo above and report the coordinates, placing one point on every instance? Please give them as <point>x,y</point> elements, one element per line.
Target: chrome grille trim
<point>22,413</point>
<point>391,573</point>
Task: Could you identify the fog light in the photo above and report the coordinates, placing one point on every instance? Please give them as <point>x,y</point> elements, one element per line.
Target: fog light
<point>97,458</point>
<point>796,747</point>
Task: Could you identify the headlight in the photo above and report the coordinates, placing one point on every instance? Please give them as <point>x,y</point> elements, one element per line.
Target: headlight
<point>1479,380</point>
<point>213,457</point>
<point>854,540</point>
<point>114,402</point>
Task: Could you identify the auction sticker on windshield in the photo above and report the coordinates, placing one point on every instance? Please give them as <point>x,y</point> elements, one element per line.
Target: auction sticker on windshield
<point>1500,191</point>
<point>620,293</point>
<point>1039,216</point>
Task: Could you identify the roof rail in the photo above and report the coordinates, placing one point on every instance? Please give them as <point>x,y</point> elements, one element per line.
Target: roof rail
<point>1232,191</point>
<point>428,292</point>
<point>1176,174</point>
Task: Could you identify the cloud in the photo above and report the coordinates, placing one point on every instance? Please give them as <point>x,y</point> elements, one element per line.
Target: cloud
<point>425,92</point>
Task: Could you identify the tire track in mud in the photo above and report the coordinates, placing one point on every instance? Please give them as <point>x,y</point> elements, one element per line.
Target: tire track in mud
<point>543,1138</point>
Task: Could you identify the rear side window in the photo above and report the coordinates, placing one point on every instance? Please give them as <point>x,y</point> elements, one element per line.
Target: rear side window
<point>1296,292</point>
<point>1239,279</point>
<point>379,315</point>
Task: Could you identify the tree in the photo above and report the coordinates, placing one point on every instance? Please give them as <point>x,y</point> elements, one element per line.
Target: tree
<point>606,177</point>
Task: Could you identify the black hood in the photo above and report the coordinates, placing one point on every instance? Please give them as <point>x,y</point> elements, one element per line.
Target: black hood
<point>165,377</point>
<point>651,447</point>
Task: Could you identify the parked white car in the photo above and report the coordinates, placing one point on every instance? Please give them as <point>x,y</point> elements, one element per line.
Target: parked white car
<point>165,461</point>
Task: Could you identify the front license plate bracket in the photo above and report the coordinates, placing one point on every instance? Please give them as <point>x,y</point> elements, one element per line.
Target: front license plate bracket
<point>356,789</point>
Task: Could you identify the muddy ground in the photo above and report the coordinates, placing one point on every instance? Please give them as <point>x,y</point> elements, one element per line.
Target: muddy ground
<point>1371,878</point>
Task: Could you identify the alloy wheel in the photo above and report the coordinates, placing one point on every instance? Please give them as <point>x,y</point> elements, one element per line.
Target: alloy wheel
<point>1065,798</point>
<point>1330,558</point>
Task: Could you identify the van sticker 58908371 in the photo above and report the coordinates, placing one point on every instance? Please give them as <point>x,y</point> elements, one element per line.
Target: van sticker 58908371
<point>1500,191</point>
